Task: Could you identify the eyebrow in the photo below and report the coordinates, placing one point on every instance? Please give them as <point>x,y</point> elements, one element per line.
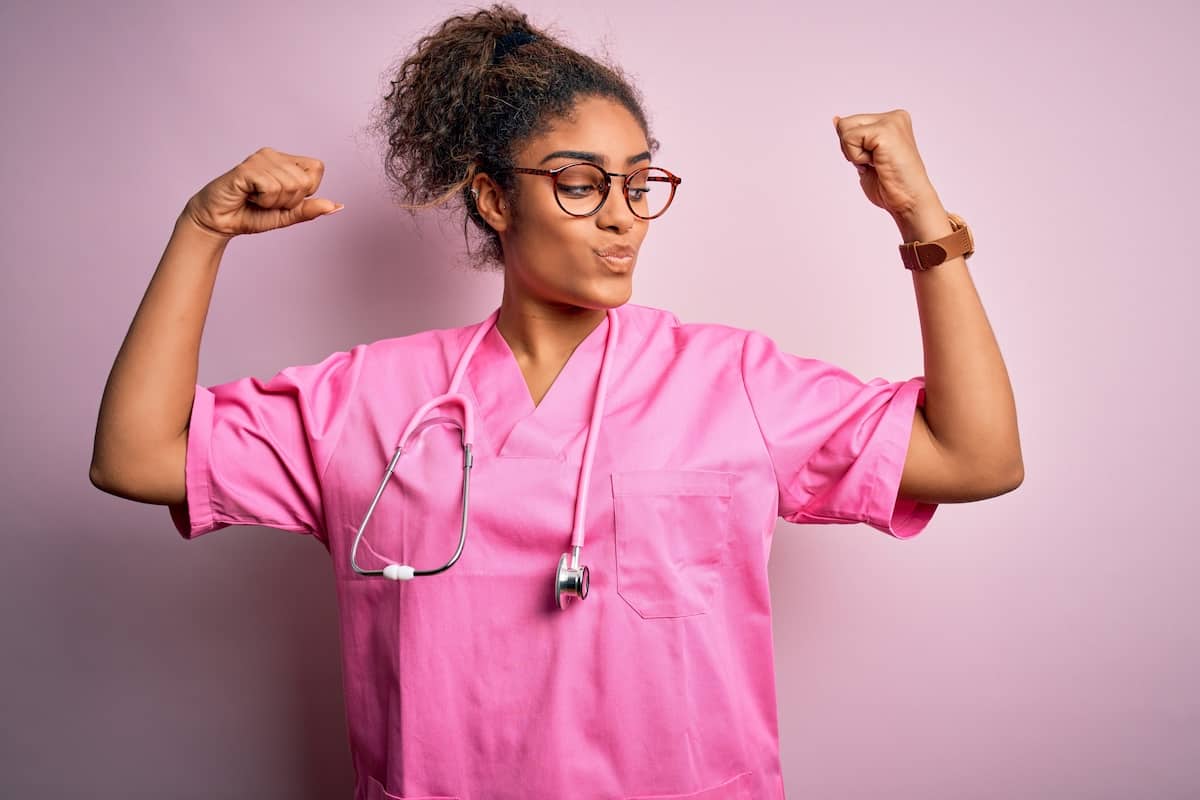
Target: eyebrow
<point>596,157</point>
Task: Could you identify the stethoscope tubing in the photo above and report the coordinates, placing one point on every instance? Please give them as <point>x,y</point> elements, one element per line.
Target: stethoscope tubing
<point>569,580</point>
<point>468,461</point>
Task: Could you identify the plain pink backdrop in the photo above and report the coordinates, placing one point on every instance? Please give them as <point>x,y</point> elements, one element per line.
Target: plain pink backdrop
<point>1040,644</point>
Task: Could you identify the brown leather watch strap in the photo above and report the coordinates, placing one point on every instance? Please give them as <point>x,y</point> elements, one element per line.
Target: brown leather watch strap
<point>926,255</point>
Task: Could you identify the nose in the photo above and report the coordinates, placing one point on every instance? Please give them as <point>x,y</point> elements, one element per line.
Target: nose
<point>615,212</point>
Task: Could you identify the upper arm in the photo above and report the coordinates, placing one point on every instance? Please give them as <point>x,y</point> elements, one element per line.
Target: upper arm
<point>933,474</point>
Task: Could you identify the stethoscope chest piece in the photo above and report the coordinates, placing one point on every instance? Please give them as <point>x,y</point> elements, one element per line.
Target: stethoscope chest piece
<point>569,582</point>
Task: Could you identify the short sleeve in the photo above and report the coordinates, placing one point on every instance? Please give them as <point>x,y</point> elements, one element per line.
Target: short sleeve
<point>837,444</point>
<point>257,450</point>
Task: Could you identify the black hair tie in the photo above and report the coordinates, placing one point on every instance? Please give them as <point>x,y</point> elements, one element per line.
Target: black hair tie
<point>511,41</point>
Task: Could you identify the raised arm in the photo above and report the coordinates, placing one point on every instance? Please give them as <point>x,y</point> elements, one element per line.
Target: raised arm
<point>141,434</point>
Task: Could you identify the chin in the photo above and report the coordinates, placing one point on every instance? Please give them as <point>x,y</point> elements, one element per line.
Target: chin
<point>617,295</point>
<point>600,296</point>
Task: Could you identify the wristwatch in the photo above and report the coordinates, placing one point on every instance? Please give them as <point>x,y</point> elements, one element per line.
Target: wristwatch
<point>925,255</point>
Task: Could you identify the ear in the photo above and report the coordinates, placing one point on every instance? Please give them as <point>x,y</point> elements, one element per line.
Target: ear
<point>490,202</point>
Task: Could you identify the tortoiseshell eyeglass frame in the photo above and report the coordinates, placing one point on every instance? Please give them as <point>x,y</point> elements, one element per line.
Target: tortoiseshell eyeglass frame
<point>553,174</point>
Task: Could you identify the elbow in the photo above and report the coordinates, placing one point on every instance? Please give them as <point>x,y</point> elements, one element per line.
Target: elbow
<point>994,479</point>
<point>95,477</point>
<point>1017,473</point>
<point>94,474</point>
<point>1011,478</point>
<point>1019,476</point>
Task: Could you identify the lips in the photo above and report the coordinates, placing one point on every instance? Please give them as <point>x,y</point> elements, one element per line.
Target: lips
<point>617,251</point>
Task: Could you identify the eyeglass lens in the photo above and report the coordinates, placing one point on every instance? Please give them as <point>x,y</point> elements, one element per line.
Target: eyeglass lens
<point>581,190</point>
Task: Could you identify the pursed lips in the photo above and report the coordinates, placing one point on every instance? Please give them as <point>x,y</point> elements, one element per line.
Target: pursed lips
<point>617,264</point>
<point>617,252</point>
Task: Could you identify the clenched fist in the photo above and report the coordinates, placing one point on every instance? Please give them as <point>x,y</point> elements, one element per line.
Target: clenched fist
<point>268,190</point>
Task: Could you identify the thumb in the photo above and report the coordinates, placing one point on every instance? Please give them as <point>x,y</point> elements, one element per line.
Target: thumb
<point>313,207</point>
<point>854,147</point>
<point>860,167</point>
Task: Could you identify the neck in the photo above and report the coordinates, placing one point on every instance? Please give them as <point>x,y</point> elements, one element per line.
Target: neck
<point>539,332</point>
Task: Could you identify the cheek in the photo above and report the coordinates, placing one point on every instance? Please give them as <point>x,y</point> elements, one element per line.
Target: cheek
<point>552,241</point>
<point>555,249</point>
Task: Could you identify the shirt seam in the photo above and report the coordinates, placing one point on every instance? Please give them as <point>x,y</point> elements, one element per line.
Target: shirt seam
<point>335,446</point>
<point>762,435</point>
<point>233,519</point>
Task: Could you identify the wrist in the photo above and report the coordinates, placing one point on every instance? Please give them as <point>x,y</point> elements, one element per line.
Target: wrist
<point>925,224</point>
<point>187,227</point>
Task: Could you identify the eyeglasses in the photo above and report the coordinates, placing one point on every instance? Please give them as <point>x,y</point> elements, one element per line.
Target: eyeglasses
<point>582,187</point>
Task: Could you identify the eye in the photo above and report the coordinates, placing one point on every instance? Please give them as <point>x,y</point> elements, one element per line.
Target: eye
<point>580,182</point>
<point>576,190</point>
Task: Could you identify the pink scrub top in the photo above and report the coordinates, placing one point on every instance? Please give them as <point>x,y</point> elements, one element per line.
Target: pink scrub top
<point>471,683</point>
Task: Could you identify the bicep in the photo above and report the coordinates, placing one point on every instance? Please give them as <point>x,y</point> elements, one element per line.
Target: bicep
<point>933,474</point>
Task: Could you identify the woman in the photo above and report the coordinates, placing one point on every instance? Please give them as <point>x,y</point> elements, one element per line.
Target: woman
<point>607,632</point>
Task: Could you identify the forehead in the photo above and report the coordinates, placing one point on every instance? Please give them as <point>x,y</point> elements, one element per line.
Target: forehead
<point>596,125</point>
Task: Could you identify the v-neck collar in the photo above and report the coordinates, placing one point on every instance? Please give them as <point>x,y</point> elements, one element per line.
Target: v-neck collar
<point>506,416</point>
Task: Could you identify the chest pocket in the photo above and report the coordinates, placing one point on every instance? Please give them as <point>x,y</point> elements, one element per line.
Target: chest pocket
<point>672,533</point>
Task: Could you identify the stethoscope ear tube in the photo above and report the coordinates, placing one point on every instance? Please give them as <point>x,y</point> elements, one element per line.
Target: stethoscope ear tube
<point>405,572</point>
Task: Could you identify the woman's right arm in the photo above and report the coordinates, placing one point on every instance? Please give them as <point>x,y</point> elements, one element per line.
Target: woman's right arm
<point>141,433</point>
<point>140,449</point>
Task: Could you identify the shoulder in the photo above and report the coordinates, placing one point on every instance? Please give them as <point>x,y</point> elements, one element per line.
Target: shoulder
<point>661,325</point>
<point>431,346</point>
<point>420,357</point>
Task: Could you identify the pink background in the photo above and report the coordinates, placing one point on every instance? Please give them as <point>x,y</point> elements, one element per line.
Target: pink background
<point>1040,644</point>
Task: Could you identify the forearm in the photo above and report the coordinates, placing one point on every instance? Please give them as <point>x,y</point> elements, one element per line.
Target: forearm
<point>147,400</point>
<point>969,404</point>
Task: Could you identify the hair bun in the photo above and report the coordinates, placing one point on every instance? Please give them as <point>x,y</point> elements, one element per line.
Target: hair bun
<point>511,41</point>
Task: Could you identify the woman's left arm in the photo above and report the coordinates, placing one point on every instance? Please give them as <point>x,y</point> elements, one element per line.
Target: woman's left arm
<point>964,444</point>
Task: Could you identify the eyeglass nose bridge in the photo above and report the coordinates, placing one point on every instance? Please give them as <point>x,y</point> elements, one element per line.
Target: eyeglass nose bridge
<point>608,183</point>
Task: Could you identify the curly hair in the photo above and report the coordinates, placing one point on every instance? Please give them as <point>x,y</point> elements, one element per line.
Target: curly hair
<point>459,106</point>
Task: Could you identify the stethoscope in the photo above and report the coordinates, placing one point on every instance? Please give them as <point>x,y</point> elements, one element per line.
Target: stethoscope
<point>570,580</point>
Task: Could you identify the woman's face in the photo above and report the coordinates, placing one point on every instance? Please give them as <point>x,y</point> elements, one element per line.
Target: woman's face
<point>551,257</point>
